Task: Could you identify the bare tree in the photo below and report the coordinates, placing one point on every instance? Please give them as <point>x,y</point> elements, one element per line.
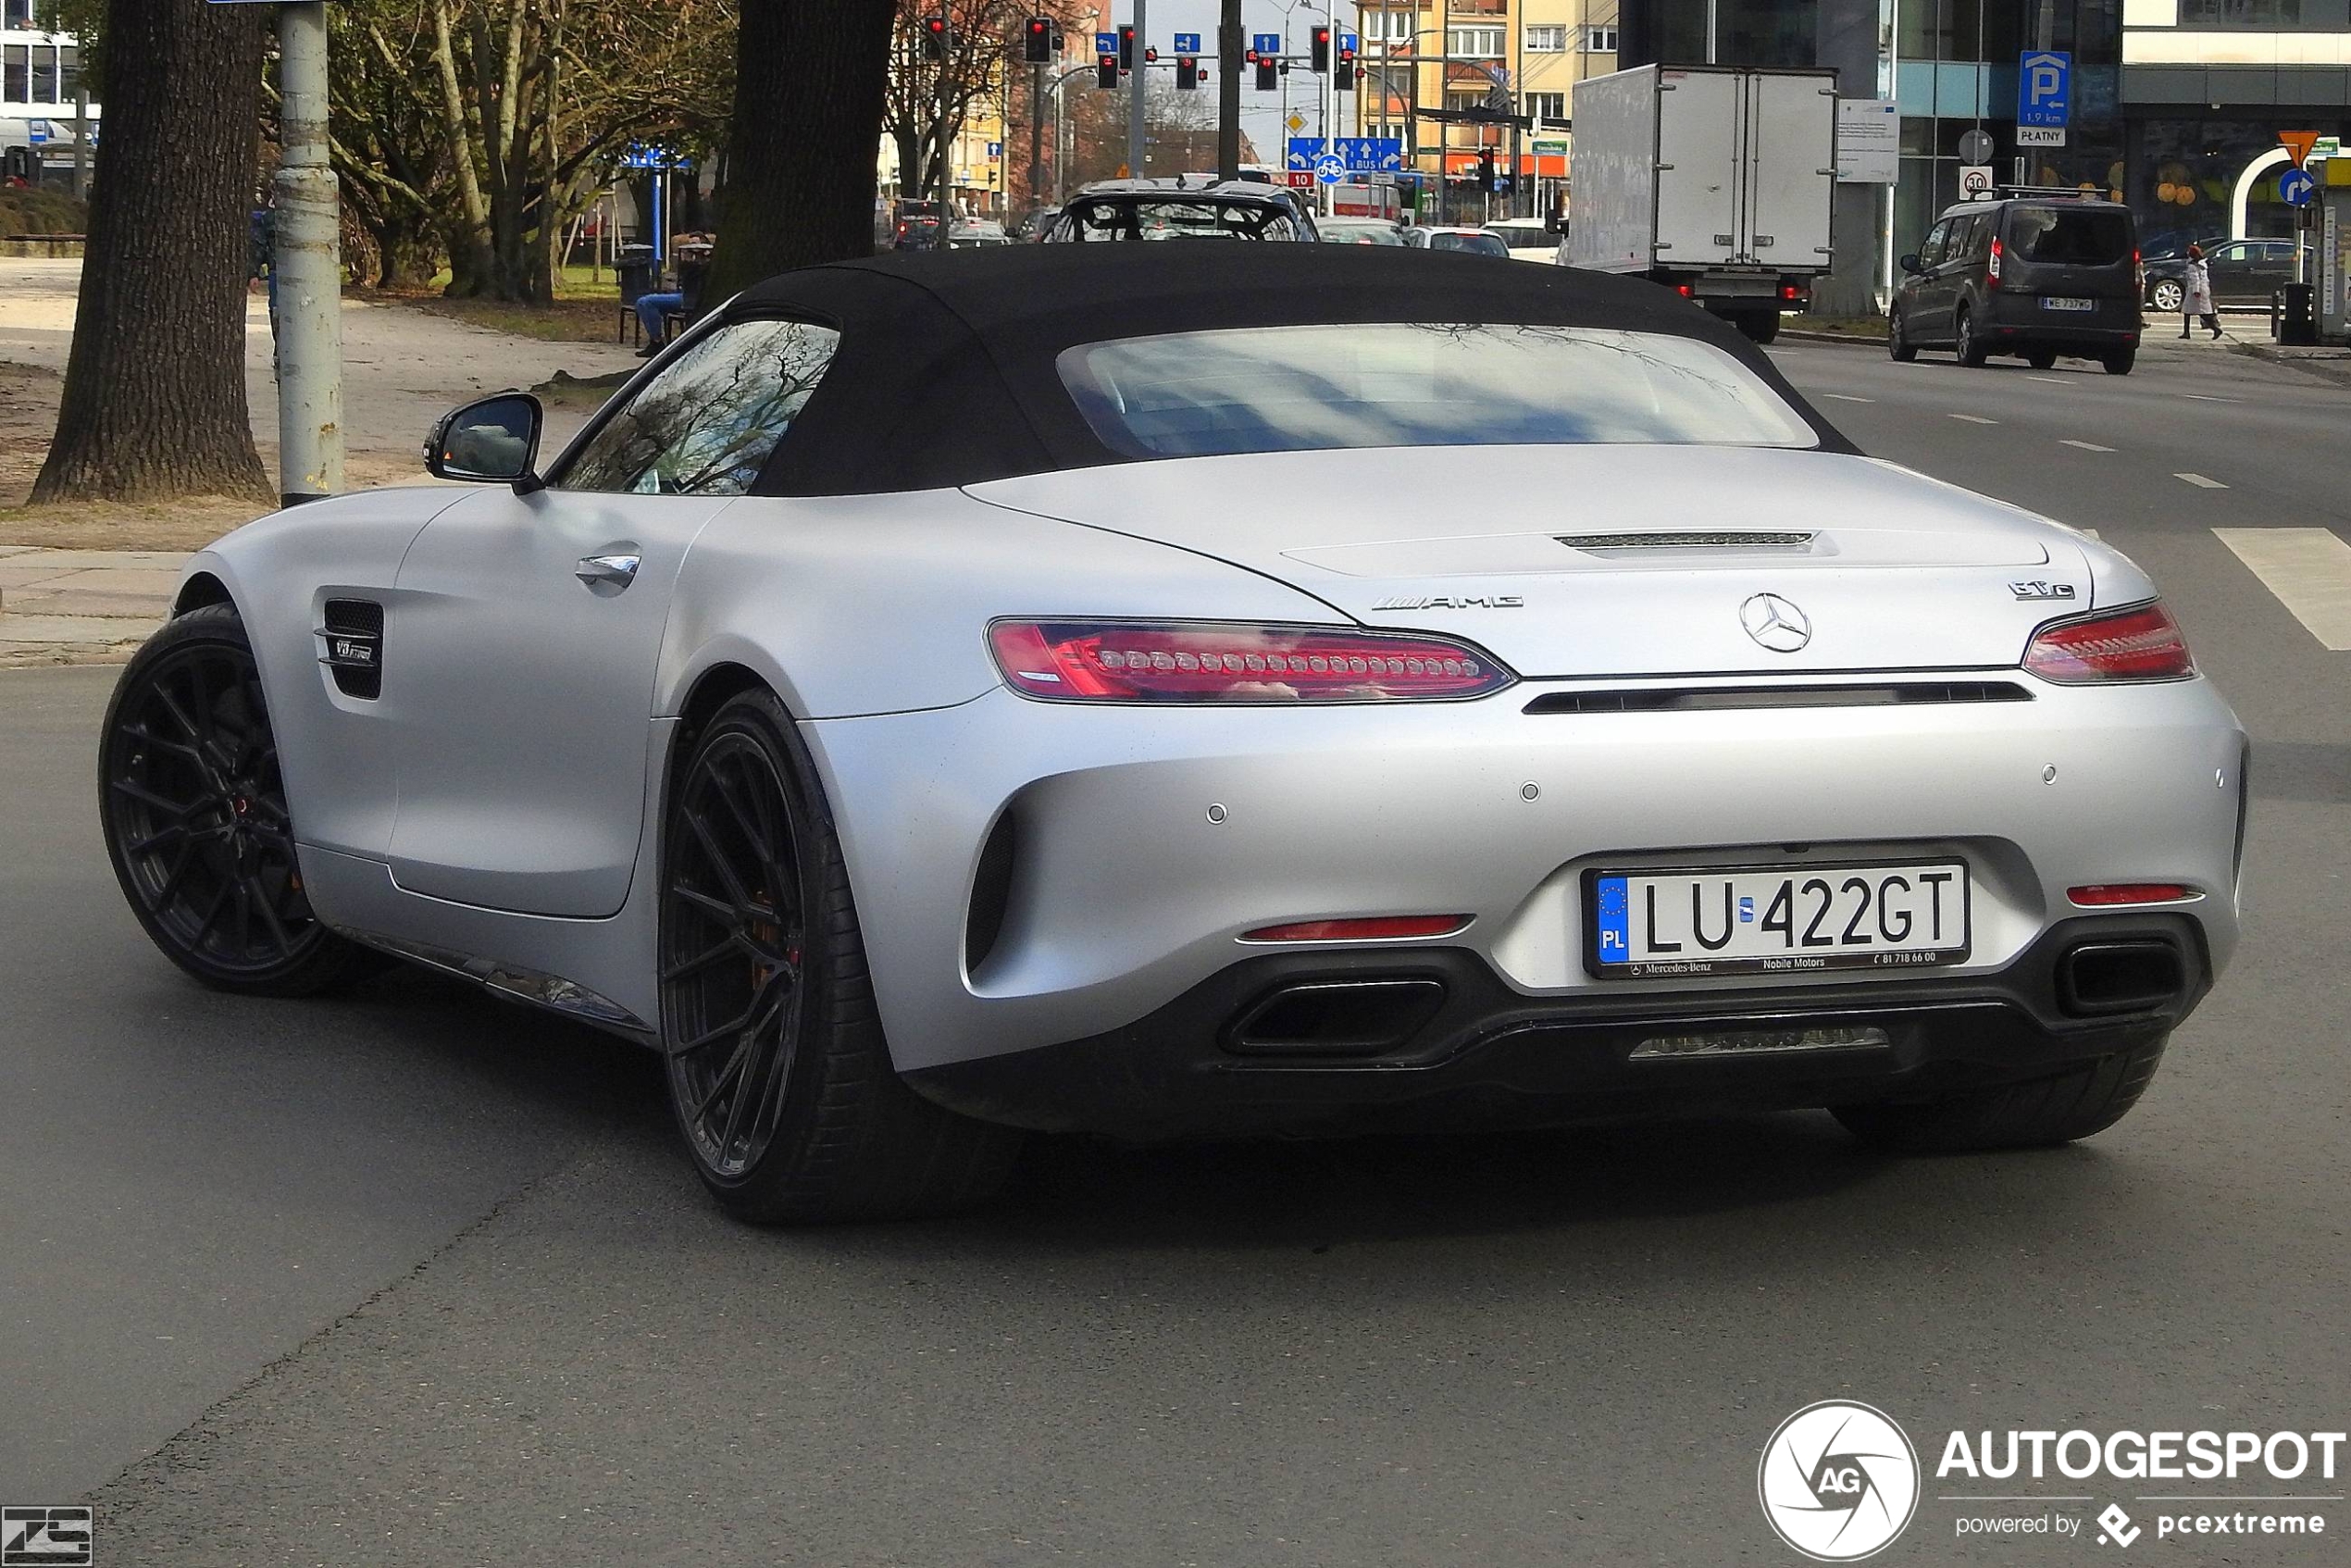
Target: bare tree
<point>155,393</point>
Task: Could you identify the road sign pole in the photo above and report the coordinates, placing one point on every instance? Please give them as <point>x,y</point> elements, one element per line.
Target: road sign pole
<point>308,267</point>
<point>1135,109</point>
<point>1229,90</point>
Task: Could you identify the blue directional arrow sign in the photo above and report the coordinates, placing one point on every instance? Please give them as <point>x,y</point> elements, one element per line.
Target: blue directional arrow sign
<point>2295,187</point>
<point>1187,43</point>
<point>1266,42</point>
<point>2043,88</point>
<point>1105,44</point>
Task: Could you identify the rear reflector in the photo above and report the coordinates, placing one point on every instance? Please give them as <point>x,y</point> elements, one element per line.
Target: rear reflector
<point>2140,643</point>
<point>1378,928</point>
<point>2105,893</point>
<point>1226,662</point>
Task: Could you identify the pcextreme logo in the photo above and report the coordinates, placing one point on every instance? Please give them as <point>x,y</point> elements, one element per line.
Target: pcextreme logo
<point>1838,1481</point>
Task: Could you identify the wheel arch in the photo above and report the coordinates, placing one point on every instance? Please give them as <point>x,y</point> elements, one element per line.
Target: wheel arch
<point>200,590</point>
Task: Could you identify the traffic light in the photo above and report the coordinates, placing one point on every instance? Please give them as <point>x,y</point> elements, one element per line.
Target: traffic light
<point>934,38</point>
<point>1186,74</point>
<point>1106,70</point>
<point>1127,47</point>
<point>1266,79</point>
<point>1345,80</point>
<point>1037,47</point>
<point>1322,48</point>
<point>1150,54</point>
<point>1485,168</point>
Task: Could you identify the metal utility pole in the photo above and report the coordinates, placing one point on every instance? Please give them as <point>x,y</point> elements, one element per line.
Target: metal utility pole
<point>308,266</point>
<point>1229,47</point>
<point>1135,119</point>
<point>1036,136</point>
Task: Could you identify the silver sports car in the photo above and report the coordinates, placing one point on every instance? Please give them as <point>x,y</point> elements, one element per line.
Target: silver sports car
<point>1079,688</point>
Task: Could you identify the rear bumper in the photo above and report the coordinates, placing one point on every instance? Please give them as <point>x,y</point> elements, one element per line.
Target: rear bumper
<point>1466,1050</point>
<point>1031,872</point>
<point>2010,318</point>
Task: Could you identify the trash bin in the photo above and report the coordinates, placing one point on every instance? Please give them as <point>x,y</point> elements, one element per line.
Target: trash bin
<point>638,272</point>
<point>2294,315</point>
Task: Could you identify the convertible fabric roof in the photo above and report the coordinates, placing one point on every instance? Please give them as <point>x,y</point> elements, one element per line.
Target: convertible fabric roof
<point>945,373</point>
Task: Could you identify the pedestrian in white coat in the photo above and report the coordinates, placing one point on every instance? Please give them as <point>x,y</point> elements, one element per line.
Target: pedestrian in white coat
<point>2196,297</point>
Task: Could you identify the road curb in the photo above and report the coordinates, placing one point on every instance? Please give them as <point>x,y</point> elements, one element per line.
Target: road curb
<point>2335,369</point>
<point>1848,339</point>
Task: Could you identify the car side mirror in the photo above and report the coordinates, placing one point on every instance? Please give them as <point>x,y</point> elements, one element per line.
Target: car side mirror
<point>494,441</point>
<point>1910,263</point>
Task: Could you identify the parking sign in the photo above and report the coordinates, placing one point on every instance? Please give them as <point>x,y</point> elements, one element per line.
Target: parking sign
<point>2043,88</point>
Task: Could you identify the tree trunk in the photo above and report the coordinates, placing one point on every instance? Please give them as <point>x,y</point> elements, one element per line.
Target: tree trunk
<point>810,78</point>
<point>155,395</point>
<point>471,269</point>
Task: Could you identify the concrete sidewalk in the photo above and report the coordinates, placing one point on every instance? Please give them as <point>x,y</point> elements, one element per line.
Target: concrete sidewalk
<point>82,606</point>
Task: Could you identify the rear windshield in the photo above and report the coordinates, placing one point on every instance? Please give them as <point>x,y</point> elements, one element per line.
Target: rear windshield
<point>1148,219</point>
<point>2076,237</point>
<point>1482,244</point>
<point>1293,389</point>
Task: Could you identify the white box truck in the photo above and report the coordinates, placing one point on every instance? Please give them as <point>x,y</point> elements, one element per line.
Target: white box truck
<point>1716,181</point>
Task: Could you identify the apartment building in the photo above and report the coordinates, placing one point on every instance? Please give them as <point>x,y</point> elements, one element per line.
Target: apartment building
<point>1520,56</point>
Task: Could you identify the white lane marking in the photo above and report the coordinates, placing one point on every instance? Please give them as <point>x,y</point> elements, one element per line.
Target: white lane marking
<point>1848,397</point>
<point>1974,419</point>
<point>2200,481</point>
<point>2206,397</point>
<point>2053,380</point>
<point>2308,569</point>
<point>2086,445</point>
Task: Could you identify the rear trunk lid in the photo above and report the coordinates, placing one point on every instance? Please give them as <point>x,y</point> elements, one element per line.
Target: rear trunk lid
<point>1581,561</point>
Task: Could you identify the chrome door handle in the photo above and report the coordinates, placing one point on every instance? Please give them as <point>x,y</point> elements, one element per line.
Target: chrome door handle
<point>619,571</point>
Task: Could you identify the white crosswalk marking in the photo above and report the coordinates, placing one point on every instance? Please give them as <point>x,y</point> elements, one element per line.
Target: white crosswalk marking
<point>2086,445</point>
<point>2199,481</point>
<point>2308,569</point>
<point>1975,418</point>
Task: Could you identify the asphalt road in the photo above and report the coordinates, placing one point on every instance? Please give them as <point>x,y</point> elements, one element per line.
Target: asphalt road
<point>408,1276</point>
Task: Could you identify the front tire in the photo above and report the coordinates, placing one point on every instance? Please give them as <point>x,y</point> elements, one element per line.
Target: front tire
<point>778,1074</point>
<point>193,807</point>
<point>2073,1105</point>
<point>1898,346</point>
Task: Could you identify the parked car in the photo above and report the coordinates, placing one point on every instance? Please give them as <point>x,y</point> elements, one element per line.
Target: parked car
<point>2245,272</point>
<point>1527,239</point>
<point>1457,238</point>
<point>1171,210</point>
<point>2036,276</point>
<point>1358,232</point>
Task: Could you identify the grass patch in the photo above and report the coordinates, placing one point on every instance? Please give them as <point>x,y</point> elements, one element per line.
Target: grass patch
<point>1870,329</point>
<point>565,321</point>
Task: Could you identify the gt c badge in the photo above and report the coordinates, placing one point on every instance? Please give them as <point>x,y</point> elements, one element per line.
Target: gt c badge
<point>1775,624</point>
<point>2039,590</point>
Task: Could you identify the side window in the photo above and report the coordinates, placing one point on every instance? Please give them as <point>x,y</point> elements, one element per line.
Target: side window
<point>706,424</point>
<point>1931,253</point>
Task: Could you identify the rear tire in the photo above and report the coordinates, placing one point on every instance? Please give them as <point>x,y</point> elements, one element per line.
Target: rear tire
<point>2118,362</point>
<point>2073,1105</point>
<point>1898,346</point>
<point>2165,295</point>
<point>779,1077</point>
<point>193,807</point>
<point>1971,352</point>
<point>1760,327</point>
<point>2041,359</point>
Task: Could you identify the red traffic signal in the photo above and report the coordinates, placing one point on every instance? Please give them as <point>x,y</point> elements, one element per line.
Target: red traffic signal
<point>1187,73</point>
<point>1106,70</point>
<point>1127,47</point>
<point>1036,45</point>
<point>1268,77</point>
<point>934,37</point>
<point>1322,55</point>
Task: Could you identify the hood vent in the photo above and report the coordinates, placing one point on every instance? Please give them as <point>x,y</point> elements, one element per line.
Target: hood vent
<point>1737,539</point>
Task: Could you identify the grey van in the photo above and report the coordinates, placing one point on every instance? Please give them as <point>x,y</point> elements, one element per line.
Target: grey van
<point>2034,275</point>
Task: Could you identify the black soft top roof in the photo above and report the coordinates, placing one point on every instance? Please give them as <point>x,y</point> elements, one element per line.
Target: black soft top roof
<point>945,374</point>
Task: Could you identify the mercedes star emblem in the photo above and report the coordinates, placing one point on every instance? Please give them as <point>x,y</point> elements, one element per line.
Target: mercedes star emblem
<point>1775,623</point>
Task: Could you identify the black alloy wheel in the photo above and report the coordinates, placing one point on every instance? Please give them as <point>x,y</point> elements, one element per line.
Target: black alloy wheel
<point>778,1073</point>
<point>1897,340</point>
<point>733,945</point>
<point>1970,351</point>
<point>192,804</point>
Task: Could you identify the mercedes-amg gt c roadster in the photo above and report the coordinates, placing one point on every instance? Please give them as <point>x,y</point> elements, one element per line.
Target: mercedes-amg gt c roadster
<point>1190,691</point>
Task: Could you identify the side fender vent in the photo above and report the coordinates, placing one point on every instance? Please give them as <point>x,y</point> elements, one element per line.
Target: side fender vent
<point>353,636</point>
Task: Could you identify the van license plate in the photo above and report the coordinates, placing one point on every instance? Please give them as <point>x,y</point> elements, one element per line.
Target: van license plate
<point>2053,302</point>
<point>1784,920</point>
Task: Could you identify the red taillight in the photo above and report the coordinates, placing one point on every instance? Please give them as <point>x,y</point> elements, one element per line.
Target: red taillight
<point>1378,928</point>
<point>2141,643</point>
<point>1686,291</point>
<point>1791,292</point>
<point>1224,661</point>
<point>2106,893</point>
<point>1992,267</point>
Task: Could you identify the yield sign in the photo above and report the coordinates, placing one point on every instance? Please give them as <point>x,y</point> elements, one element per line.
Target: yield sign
<point>2298,144</point>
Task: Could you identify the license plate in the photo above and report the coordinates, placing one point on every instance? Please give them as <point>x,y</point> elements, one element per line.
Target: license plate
<point>2050,302</point>
<point>1784,920</point>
